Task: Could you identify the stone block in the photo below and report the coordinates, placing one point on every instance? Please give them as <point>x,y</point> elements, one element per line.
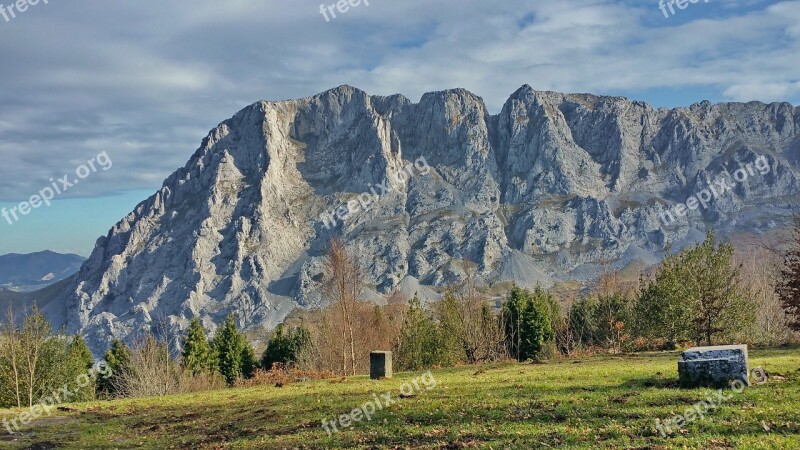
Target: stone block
<point>380,365</point>
<point>714,366</point>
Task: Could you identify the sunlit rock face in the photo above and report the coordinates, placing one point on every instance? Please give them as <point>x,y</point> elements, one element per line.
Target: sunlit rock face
<point>546,190</point>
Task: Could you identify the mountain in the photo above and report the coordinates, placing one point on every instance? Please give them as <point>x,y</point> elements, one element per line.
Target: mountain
<point>49,300</point>
<point>552,188</point>
<point>25,273</point>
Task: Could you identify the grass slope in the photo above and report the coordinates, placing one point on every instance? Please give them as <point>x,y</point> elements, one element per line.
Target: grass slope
<point>596,402</point>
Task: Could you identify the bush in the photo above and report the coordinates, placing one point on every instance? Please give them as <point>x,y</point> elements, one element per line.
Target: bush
<point>280,376</point>
<point>148,370</point>
<point>151,371</point>
<point>200,382</point>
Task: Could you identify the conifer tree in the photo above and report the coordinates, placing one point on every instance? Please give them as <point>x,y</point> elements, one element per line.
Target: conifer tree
<point>197,354</point>
<point>235,356</point>
<point>421,343</point>
<point>77,365</point>
<point>285,347</point>
<point>118,362</point>
<point>696,295</point>
<point>527,318</point>
<point>662,310</point>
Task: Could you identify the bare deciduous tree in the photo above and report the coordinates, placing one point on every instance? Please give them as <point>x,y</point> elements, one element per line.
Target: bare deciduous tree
<point>759,274</point>
<point>788,286</point>
<point>32,358</point>
<point>468,316</point>
<point>34,338</point>
<point>342,286</point>
<point>379,330</point>
<point>152,372</point>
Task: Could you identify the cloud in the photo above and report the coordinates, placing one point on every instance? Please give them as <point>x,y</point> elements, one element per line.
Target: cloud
<point>146,80</point>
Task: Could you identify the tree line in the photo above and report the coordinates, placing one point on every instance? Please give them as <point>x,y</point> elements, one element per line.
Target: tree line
<point>700,295</point>
<point>36,361</point>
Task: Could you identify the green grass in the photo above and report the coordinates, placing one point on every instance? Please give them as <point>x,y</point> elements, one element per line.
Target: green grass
<point>595,402</point>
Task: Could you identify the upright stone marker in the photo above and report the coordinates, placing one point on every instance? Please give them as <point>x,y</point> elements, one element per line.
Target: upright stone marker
<point>380,365</point>
<point>714,366</point>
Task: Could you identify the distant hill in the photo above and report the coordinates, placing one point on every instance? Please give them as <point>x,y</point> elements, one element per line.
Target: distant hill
<point>45,298</point>
<point>26,273</point>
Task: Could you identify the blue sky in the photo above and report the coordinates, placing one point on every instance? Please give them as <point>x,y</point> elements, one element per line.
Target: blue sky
<point>146,80</point>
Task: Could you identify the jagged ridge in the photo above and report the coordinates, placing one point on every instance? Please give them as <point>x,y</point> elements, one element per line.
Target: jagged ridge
<point>542,191</point>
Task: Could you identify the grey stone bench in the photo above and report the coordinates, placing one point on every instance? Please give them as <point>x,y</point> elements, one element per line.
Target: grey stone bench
<point>714,366</point>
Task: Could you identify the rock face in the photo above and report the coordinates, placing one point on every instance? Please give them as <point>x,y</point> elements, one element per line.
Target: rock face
<point>545,190</point>
<point>714,366</point>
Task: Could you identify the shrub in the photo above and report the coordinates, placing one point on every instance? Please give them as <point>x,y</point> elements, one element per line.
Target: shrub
<point>150,372</point>
<point>280,375</point>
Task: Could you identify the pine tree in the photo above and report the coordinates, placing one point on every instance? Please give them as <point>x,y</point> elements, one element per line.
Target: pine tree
<point>713,281</point>
<point>118,361</point>
<point>197,354</point>
<point>80,351</point>
<point>422,343</point>
<point>77,365</point>
<point>249,360</point>
<point>696,295</point>
<point>512,320</point>
<point>788,286</point>
<point>285,347</point>
<point>662,311</point>
<point>528,321</point>
<point>235,356</point>
<point>536,328</point>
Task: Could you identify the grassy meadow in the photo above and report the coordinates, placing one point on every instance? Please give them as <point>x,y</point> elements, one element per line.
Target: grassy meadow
<point>593,402</point>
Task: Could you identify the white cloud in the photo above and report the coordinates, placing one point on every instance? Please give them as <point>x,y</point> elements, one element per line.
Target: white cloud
<point>767,92</point>
<point>144,80</point>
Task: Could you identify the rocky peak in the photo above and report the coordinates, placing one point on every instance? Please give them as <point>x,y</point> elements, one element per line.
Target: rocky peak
<point>425,192</point>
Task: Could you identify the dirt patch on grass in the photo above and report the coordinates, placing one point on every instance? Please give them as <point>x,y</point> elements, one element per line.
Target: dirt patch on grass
<point>46,421</point>
<point>42,446</point>
<point>624,397</point>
